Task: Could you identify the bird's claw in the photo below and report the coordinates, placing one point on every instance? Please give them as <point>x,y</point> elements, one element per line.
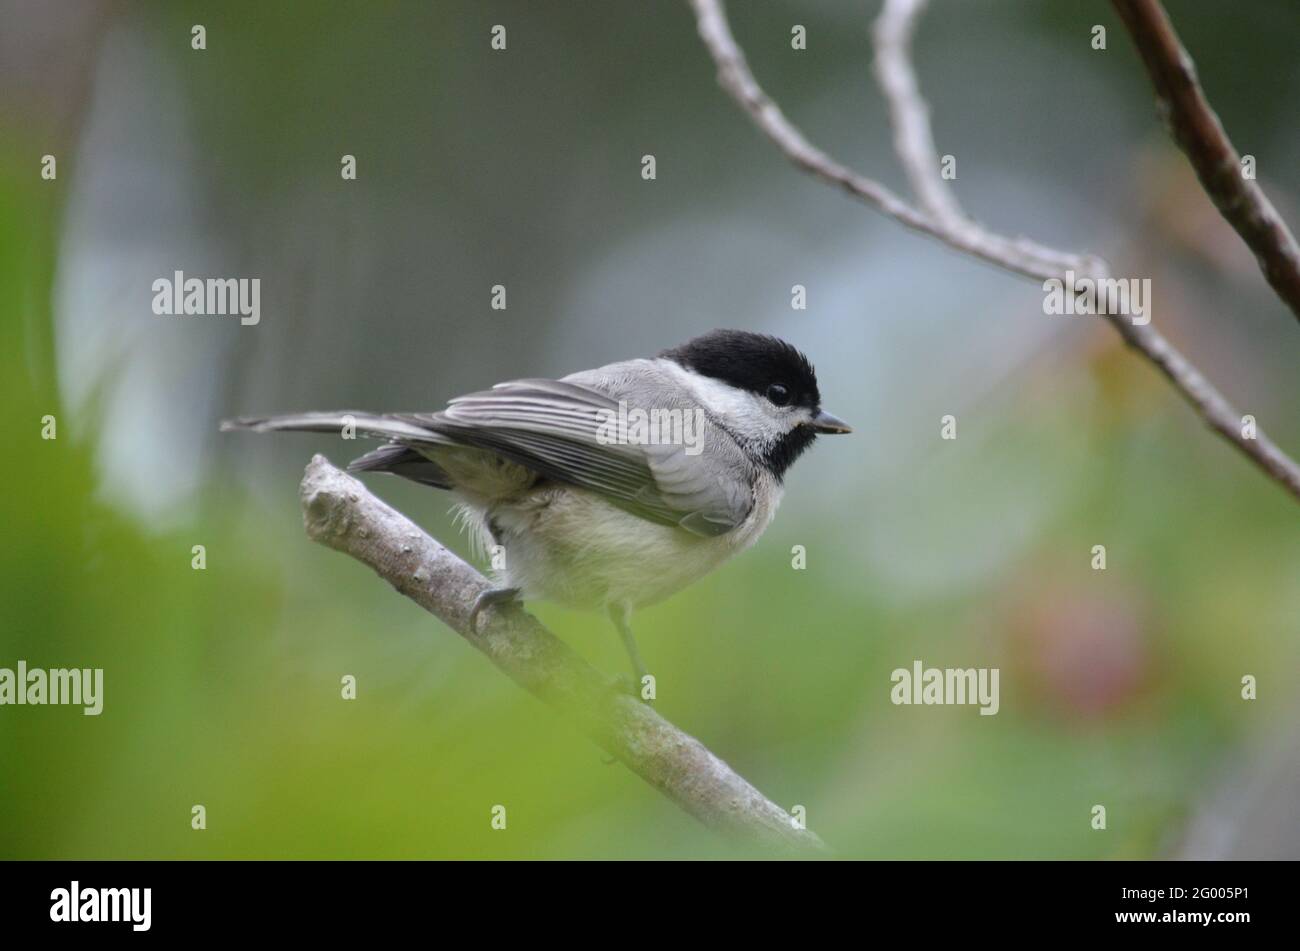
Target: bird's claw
<point>492,597</point>
<point>632,687</point>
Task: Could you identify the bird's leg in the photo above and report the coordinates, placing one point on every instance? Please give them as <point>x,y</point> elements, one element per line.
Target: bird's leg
<point>490,597</point>
<point>619,613</point>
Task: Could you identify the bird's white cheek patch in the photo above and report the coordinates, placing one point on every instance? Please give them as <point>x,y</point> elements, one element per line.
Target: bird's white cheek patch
<point>747,415</point>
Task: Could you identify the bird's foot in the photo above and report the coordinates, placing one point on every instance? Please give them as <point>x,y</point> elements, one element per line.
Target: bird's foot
<point>642,687</point>
<point>631,686</point>
<point>492,597</point>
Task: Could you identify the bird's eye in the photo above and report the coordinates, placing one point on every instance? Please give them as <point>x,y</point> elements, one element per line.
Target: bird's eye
<point>778,394</point>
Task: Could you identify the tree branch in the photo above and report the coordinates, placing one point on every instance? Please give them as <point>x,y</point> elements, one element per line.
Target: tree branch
<point>340,513</point>
<point>1014,254</point>
<point>1198,132</point>
<point>914,143</point>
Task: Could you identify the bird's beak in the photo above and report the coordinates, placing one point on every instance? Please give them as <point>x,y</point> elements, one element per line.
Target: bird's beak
<point>825,422</point>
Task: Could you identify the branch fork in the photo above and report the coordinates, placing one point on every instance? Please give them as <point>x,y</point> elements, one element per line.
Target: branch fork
<point>939,216</point>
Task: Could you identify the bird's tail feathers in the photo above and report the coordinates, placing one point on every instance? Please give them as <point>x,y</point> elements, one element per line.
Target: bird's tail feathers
<point>343,422</point>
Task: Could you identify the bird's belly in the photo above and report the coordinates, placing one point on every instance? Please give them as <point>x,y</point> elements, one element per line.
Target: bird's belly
<point>574,548</point>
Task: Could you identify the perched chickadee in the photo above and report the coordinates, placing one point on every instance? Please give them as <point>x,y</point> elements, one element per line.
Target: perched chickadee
<point>615,487</point>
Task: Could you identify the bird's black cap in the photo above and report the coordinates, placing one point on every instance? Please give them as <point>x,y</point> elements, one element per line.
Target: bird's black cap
<point>754,362</point>
<point>750,361</point>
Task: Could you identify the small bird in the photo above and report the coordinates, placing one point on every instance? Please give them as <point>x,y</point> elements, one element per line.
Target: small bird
<point>609,488</point>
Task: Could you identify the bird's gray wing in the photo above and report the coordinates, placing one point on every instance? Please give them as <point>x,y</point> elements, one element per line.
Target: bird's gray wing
<point>560,429</point>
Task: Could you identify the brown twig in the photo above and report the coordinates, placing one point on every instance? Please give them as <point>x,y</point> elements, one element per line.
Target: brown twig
<point>914,144</point>
<point>1199,133</point>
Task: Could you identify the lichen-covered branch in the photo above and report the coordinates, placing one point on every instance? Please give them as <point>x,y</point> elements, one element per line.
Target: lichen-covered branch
<point>1199,133</point>
<point>338,511</point>
<point>940,216</point>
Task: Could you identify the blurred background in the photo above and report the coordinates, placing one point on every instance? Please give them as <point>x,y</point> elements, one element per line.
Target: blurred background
<point>523,168</point>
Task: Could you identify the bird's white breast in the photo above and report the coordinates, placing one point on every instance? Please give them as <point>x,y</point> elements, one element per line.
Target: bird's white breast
<point>573,547</point>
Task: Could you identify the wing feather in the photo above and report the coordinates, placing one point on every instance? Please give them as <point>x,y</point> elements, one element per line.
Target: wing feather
<point>554,427</point>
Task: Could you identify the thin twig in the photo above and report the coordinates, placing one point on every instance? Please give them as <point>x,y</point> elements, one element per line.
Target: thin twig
<point>1199,133</point>
<point>908,112</point>
<point>1015,254</point>
<point>1019,255</point>
<point>339,512</point>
